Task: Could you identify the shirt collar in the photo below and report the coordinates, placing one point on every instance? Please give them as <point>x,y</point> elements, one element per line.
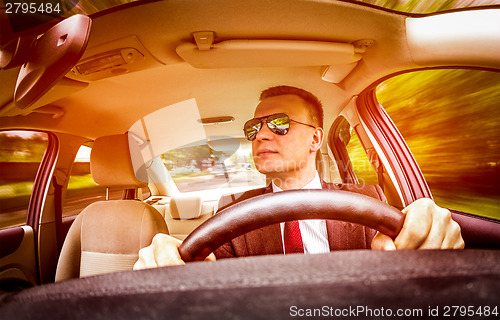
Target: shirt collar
<point>315,183</point>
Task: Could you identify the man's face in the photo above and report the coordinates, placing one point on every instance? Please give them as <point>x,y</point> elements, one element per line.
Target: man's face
<point>283,155</point>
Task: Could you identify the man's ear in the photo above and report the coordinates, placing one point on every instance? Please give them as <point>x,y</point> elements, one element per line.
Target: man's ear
<point>317,139</point>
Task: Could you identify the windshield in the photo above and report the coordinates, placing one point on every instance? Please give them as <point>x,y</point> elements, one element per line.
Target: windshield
<point>428,6</point>
<point>193,155</point>
<point>201,167</point>
<point>88,7</point>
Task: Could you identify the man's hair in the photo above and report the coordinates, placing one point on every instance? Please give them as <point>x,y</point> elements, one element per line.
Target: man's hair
<point>316,108</point>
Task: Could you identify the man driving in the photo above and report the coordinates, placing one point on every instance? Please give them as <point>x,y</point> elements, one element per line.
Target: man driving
<point>286,132</point>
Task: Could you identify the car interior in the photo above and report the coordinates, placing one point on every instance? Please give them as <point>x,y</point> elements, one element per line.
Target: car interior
<point>154,95</point>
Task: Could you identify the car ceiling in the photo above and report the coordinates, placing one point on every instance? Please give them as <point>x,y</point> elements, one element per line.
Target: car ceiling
<point>111,105</point>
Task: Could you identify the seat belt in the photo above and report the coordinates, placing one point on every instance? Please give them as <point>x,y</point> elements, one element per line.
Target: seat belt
<point>58,212</point>
<point>377,164</point>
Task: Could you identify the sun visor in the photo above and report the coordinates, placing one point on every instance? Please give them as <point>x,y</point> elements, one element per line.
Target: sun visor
<point>53,55</point>
<point>267,53</point>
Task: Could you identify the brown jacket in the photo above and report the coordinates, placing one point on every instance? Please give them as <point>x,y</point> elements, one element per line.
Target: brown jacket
<point>267,240</point>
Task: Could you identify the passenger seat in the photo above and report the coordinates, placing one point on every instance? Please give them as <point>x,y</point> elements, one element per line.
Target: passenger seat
<point>107,235</point>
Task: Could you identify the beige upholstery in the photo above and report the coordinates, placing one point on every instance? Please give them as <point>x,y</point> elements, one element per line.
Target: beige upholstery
<point>111,163</point>
<point>107,235</point>
<point>185,206</point>
<point>184,212</point>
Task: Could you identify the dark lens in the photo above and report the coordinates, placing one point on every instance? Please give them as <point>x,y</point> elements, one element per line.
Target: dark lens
<point>279,123</point>
<point>251,128</point>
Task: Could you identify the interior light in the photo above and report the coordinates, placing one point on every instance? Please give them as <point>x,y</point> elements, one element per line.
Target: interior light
<point>108,60</point>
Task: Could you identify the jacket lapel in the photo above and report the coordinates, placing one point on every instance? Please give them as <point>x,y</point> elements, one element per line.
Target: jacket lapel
<point>266,240</point>
<point>345,235</point>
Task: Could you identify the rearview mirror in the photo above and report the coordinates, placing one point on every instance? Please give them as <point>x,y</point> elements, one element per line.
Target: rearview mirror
<point>54,54</point>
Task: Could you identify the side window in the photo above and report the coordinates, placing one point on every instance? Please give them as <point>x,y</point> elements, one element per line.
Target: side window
<point>352,162</point>
<point>362,166</point>
<point>450,119</point>
<point>21,153</point>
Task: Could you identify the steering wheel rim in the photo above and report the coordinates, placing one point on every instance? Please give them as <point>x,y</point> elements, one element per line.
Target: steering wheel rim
<point>261,211</point>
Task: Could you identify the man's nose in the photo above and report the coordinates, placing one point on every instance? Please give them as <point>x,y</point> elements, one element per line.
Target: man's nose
<point>265,133</point>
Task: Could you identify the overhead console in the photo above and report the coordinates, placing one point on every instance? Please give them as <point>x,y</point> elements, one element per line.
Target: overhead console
<point>114,58</point>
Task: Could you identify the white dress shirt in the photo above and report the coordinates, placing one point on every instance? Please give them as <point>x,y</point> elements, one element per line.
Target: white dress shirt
<point>313,232</point>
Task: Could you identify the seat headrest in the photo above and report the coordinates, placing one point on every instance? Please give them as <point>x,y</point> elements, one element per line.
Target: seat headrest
<point>185,206</point>
<point>111,163</point>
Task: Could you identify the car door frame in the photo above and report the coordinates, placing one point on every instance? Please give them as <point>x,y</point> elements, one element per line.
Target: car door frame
<point>19,261</point>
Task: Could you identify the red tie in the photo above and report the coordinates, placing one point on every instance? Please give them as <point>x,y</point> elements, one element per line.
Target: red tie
<point>292,238</point>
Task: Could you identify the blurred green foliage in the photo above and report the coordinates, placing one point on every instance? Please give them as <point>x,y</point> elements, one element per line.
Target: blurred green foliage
<point>22,146</point>
<point>428,6</point>
<point>20,154</point>
<point>184,156</point>
<point>451,122</point>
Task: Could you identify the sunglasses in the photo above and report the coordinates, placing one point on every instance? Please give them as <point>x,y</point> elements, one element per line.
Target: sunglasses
<point>278,123</point>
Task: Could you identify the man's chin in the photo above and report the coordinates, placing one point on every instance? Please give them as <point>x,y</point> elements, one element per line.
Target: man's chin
<point>264,169</point>
<point>270,168</point>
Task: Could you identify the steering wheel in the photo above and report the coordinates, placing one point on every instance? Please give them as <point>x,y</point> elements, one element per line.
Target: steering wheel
<point>271,208</point>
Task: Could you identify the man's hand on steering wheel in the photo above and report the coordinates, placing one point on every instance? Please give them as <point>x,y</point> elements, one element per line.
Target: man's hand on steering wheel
<point>426,226</point>
<point>163,251</point>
